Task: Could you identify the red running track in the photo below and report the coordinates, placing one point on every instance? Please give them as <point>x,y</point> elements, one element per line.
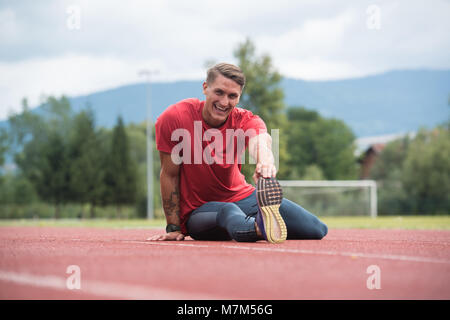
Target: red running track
<point>120,264</point>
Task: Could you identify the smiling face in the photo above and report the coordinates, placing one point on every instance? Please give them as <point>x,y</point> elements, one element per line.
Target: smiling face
<point>222,95</point>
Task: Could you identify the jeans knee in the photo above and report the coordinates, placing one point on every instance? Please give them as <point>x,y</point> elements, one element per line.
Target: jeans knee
<point>225,211</point>
<point>322,231</point>
<point>231,218</point>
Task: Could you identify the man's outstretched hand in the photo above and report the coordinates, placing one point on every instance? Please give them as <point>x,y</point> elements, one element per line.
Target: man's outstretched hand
<point>171,236</point>
<point>264,171</point>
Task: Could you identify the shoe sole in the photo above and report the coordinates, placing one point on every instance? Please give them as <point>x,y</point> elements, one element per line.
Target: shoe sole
<point>269,195</point>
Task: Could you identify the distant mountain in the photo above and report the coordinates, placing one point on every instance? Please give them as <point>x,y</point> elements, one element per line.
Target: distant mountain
<point>393,102</point>
<point>130,101</point>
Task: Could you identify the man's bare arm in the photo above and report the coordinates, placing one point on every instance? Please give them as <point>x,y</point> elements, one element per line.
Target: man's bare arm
<point>260,149</point>
<point>170,189</point>
<point>170,194</point>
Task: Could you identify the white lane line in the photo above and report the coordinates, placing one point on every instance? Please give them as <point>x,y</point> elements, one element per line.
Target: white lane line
<point>296,251</point>
<point>102,289</point>
<point>302,251</point>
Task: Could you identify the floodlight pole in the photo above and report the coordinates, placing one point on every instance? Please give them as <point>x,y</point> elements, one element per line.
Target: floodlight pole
<point>147,74</point>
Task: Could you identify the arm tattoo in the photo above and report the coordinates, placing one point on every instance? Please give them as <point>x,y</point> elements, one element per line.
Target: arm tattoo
<point>172,205</point>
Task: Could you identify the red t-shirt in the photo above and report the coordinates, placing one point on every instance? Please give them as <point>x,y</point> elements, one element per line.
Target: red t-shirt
<point>210,158</point>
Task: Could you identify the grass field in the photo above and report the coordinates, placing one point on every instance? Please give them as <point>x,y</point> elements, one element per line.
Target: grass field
<point>382,222</point>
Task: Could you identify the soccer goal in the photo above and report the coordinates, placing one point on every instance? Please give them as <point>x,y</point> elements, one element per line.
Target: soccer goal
<point>333,197</point>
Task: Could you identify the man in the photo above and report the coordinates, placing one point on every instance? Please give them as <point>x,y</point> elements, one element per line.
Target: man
<point>204,194</point>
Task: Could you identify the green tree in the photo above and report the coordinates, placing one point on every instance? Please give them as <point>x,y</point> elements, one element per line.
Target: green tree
<point>16,190</point>
<point>3,145</point>
<point>121,172</point>
<point>86,155</point>
<point>3,148</point>
<point>24,127</point>
<point>41,153</point>
<point>387,171</point>
<point>413,175</point>
<point>263,96</point>
<point>137,134</point>
<point>262,93</point>
<point>138,152</point>
<point>313,172</point>
<point>426,171</point>
<point>325,143</point>
<point>48,172</point>
<point>391,159</point>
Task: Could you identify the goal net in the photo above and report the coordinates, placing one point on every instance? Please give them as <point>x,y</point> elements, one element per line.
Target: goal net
<point>333,197</point>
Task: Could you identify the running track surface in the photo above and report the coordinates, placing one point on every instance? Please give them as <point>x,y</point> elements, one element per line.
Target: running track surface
<point>121,264</point>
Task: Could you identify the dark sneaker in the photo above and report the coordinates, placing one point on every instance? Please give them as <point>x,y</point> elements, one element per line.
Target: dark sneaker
<point>269,220</point>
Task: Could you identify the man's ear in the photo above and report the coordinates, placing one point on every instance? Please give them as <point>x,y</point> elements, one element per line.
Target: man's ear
<point>205,86</point>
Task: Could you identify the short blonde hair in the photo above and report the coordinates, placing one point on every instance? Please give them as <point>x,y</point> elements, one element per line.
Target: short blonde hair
<point>227,70</point>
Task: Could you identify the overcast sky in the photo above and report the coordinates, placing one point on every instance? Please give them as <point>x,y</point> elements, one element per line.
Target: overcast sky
<point>78,47</point>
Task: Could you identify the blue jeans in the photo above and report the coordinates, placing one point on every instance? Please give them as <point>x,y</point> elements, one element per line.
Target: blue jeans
<point>236,220</point>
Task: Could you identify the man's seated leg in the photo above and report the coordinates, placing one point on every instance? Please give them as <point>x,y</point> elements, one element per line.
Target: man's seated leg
<point>221,221</point>
<point>300,223</point>
<point>202,223</point>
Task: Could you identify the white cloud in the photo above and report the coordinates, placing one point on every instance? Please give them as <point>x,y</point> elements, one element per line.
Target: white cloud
<point>8,26</point>
<point>306,39</point>
<point>307,51</point>
<point>77,75</point>
<point>316,68</point>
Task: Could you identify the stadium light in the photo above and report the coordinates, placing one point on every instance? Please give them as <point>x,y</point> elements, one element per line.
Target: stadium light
<point>147,74</point>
